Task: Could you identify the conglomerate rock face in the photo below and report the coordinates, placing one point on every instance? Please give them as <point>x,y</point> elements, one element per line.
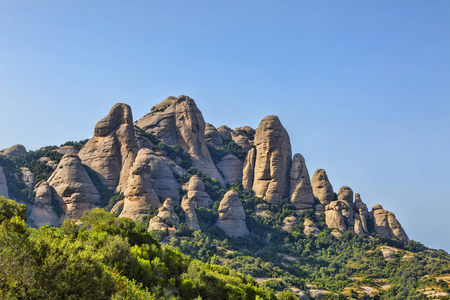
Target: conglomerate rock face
<point>3,184</point>
<point>73,187</point>
<point>213,136</point>
<point>15,150</point>
<point>196,193</point>
<point>322,188</point>
<point>346,195</point>
<point>272,162</point>
<point>43,211</point>
<point>113,149</point>
<point>188,206</point>
<point>386,224</point>
<point>231,168</point>
<point>244,136</point>
<point>165,218</point>
<point>178,121</point>
<point>232,215</point>
<point>301,193</point>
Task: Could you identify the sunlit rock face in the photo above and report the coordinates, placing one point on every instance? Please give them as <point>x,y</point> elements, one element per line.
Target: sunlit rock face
<point>232,215</point>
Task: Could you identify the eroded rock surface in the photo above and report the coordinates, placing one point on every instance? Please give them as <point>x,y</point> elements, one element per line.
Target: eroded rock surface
<point>301,193</point>
<point>3,184</point>
<point>196,193</point>
<point>43,212</point>
<point>73,186</point>
<point>13,151</point>
<point>188,207</point>
<point>244,136</point>
<point>386,224</point>
<point>309,227</point>
<point>322,188</point>
<point>272,162</point>
<point>212,136</point>
<point>232,215</point>
<point>27,177</point>
<point>231,168</point>
<point>112,150</point>
<point>334,217</point>
<point>225,133</point>
<point>289,222</point>
<point>346,195</point>
<point>178,121</point>
<point>166,217</point>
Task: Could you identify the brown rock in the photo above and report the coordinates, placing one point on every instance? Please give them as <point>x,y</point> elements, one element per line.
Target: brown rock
<point>178,121</point>
<point>273,160</point>
<point>310,228</point>
<point>231,168</point>
<point>73,186</point>
<point>196,193</point>
<point>363,212</point>
<point>117,208</point>
<point>244,137</point>
<point>165,218</point>
<point>346,195</point>
<point>232,215</point>
<point>301,193</point>
<point>112,150</point>
<point>322,188</point>
<point>289,222</point>
<point>3,184</point>
<point>188,207</point>
<point>27,177</point>
<point>13,151</point>
<point>386,224</point>
<point>212,136</point>
<point>42,211</point>
<point>225,133</point>
<point>140,197</point>
<point>248,174</point>
<point>359,229</point>
<point>334,217</point>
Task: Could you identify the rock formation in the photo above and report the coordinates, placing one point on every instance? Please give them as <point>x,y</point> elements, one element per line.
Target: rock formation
<point>43,211</point>
<point>232,215</point>
<point>309,227</point>
<point>165,218</point>
<point>178,121</point>
<point>13,151</point>
<point>225,133</point>
<point>244,136</point>
<point>386,224</point>
<point>3,184</point>
<point>140,197</point>
<point>196,193</point>
<point>322,188</point>
<point>73,187</point>
<point>231,168</point>
<point>188,207</point>
<point>334,217</point>
<point>263,210</point>
<point>289,222</point>
<point>301,193</point>
<point>346,195</point>
<point>27,177</point>
<point>272,162</point>
<point>363,213</point>
<point>212,136</point>
<point>248,173</point>
<point>112,150</point>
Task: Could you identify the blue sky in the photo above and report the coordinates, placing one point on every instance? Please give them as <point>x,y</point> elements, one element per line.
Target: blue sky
<point>362,86</point>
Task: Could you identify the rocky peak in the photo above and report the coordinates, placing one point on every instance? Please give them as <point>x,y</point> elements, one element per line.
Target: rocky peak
<point>346,195</point>
<point>13,151</point>
<point>386,224</point>
<point>322,188</point>
<point>244,136</point>
<point>212,136</point>
<point>225,133</point>
<point>301,193</point>
<point>270,175</point>
<point>188,206</point>
<point>231,168</point>
<point>232,215</point>
<point>196,193</point>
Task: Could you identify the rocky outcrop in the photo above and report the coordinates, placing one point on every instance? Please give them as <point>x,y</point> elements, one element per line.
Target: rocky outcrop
<point>362,213</point>
<point>73,186</point>
<point>196,193</point>
<point>188,207</point>
<point>272,163</point>
<point>289,223</point>
<point>301,193</point>
<point>3,184</point>
<point>334,217</point>
<point>140,197</point>
<point>43,211</point>
<point>231,168</point>
<point>212,136</point>
<point>346,195</point>
<point>67,150</point>
<point>225,133</point>
<point>309,227</point>
<point>244,136</point>
<point>112,150</point>
<point>166,217</point>
<point>178,121</point>
<point>248,173</point>
<point>13,151</point>
<point>322,188</point>
<point>117,208</point>
<point>263,210</point>
<point>386,224</point>
<point>232,215</point>
<point>27,177</point>
<point>319,210</point>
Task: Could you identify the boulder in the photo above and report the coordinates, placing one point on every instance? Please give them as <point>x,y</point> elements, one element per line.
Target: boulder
<point>225,133</point>
<point>188,207</point>
<point>301,193</point>
<point>232,215</point>
<point>43,211</point>
<point>244,136</point>
<point>3,184</point>
<point>289,222</point>
<point>140,197</point>
<point>231,168</point>
<point>263,210</point>
<point>322,188</point>
<point>346,195</point>
<point>334,217</point>
<point>178,121</point>
<point>212,136</point>
<point>113,149</point>
<point>196,193</point>
<point>272,162</point>
<point>309,227</point>
<point>386,224</point>
<point>13,151</point>
<point>27,177</point>
<point>166,217</point>
<point>73,187</point>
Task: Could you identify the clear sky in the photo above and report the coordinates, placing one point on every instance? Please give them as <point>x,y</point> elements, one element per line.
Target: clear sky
<point>363,87</point>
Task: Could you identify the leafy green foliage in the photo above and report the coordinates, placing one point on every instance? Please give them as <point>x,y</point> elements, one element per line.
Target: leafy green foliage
<point>10,208</point>
<point>77,145</point>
